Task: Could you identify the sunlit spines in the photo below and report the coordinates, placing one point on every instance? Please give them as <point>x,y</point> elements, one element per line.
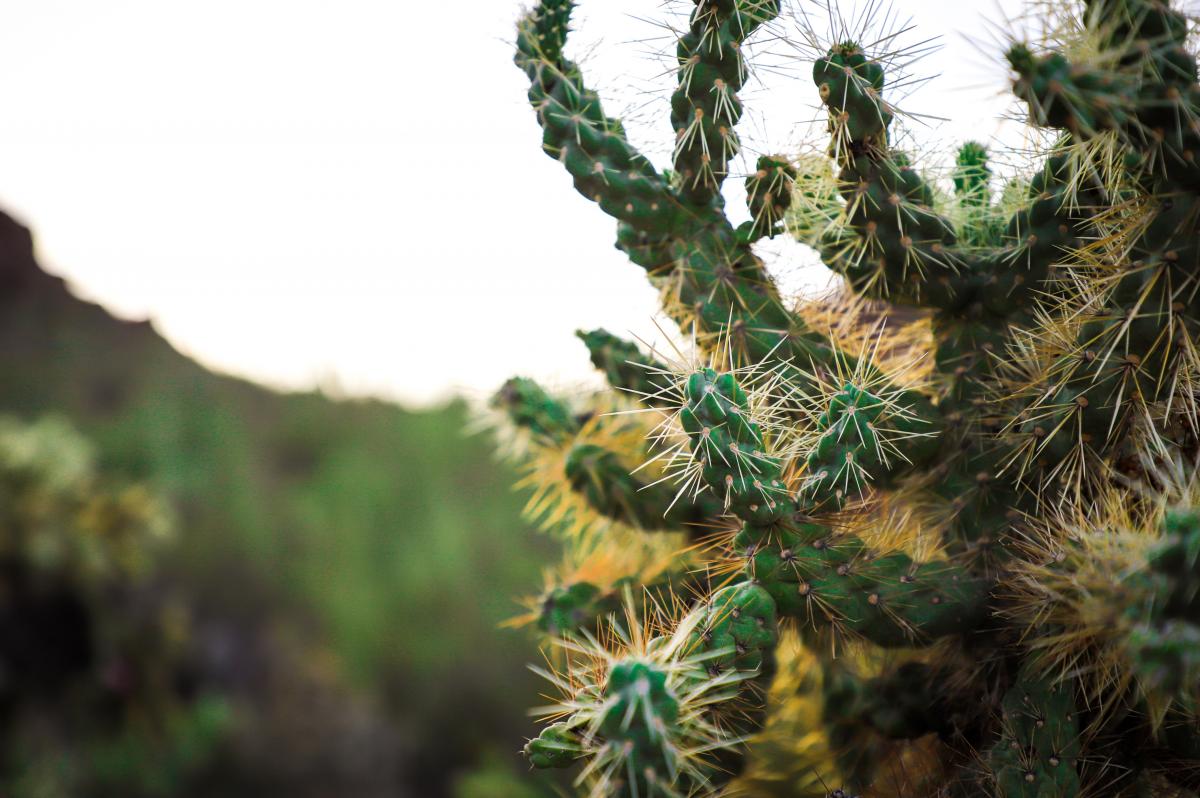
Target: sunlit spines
<point>814,574</point>
<point>1061,315</point>
<point>1111,368</point>
<point>648,712</point>
<point>730,448</point>
<point>866,428</point>
<point>589,467</point>
<point>614,491</point>
<point>1117,588</point>
<point>897,246</point>
<point>587,589</point>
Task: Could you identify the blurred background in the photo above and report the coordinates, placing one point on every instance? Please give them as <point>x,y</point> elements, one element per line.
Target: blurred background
<point>281,251</point>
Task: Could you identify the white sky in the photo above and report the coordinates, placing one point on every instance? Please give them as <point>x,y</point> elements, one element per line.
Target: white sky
<point>351,192</point>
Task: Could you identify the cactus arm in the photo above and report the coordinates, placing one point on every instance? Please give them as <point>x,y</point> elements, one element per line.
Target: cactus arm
<point>1036,754</point>
<point>897,247</point>
<point>713,279</point>
<point>597,473</point>
<point>592,146</point>
<point>705,107</point>
<point>609,487</point>
<point>529,407</point>
<point>901,249</point>
<point>625,367</point>
<point>1145,95</point>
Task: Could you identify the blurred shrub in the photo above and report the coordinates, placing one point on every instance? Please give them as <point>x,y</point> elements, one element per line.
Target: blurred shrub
<point>93,690</point>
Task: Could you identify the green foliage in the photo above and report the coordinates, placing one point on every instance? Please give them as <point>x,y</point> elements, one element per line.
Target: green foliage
<point>88,702</point>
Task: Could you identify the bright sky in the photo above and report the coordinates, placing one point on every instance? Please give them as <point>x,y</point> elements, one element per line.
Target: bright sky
<point>351,192</point>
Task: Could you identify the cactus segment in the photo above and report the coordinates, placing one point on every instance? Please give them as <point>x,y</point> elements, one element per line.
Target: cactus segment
<point>705,107</point>
<point>1038,748</point>
<point>626,368</point>
<point>769,194</point>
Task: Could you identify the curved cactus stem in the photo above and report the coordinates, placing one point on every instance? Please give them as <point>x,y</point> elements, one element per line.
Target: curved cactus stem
<point>710,278</point>
<point>626,368</point>
<point>705,107</point>
<point>599,474</point>
<point>591,145</point>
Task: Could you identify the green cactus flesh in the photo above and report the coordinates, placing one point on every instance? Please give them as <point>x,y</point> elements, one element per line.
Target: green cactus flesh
<point>981,524</point>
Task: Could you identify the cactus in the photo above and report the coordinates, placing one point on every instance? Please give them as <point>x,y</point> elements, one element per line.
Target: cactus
<point>979,524</point>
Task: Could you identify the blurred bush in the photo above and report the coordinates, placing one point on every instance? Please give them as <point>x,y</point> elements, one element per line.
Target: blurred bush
<point>345,563</point>
<point>95,697</point>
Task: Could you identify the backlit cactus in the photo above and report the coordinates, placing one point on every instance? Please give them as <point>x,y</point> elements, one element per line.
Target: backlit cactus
<point>984,563</point>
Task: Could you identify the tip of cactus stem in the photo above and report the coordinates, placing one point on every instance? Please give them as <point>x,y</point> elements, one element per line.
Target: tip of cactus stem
<point>1021,58</point>
<point>555,747</point>
<point>637,707</point>
<point>564,500</point>
<point>862,424</point>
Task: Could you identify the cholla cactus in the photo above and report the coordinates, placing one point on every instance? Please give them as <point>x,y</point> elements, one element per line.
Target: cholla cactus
<point>989,558</point>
